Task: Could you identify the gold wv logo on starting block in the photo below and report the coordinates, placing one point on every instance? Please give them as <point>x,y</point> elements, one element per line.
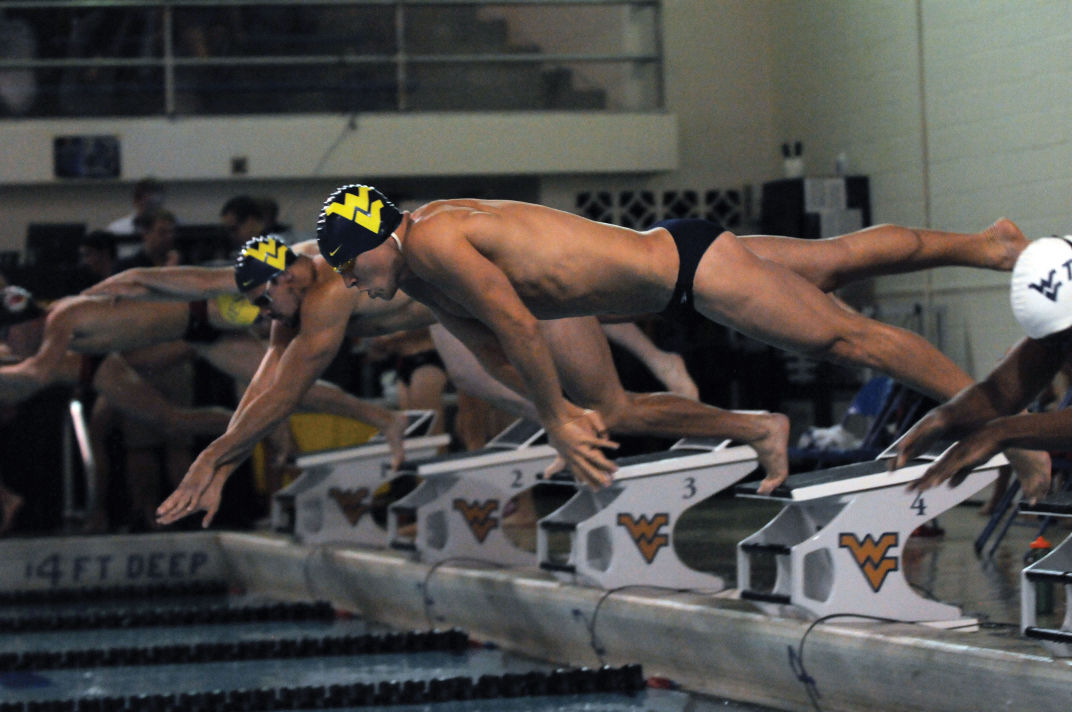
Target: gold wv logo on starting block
<point>646,533</point>
<point>870,555</point>
<point>351,502</point>
<point>478,517</point>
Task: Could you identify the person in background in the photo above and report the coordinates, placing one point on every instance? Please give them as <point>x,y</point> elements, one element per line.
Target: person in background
<point>156,227</point>
<point>97,256</point>
<point>243,218</point>
<point>147,193</point>
<point>420,375</point>
<point>270,208</point>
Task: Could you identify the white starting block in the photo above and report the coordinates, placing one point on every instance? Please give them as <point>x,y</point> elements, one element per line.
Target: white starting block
<point>838,542</point>
<point>331,501</point>
<point>1054,569</point>
<point>458,507</point>
<point>622,535</point>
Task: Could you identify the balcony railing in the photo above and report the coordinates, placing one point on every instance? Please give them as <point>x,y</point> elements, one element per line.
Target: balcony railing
<point>84,58</point>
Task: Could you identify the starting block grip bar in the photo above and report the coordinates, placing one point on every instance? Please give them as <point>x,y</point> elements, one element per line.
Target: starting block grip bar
<point>1053,569</point>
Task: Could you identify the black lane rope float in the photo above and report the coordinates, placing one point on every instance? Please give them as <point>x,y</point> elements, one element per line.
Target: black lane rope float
<point>628,679</point>
<point>170,616</point>
<point>114,593</point>
<point>453,641</point>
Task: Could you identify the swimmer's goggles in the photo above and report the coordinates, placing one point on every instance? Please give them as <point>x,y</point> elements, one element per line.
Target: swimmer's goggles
<point>345,266</point>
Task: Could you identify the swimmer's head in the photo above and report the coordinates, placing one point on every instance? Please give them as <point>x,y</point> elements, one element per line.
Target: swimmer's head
<point>355,219</point>
<point>1041,292</point>
<point>16,306</point>
<point>261,259</point>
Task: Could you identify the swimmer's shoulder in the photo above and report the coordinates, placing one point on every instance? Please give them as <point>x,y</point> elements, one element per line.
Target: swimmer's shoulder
<point>306,248</point>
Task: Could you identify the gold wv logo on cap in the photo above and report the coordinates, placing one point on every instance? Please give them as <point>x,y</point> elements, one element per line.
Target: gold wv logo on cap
<point>271,252</point>
<point>357,209</point>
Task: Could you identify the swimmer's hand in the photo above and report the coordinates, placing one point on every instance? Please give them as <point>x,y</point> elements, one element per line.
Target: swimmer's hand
<point>971,450</point>
<point>956,463</point>
<point>200,490</point>
<point>919,439</point>
<point>578,442</point>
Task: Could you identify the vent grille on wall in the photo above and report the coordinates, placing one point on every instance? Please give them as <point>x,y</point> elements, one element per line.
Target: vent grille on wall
<point>641,208</point>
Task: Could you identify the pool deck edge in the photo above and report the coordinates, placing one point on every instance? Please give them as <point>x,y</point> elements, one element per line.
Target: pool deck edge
<point>709,644</point>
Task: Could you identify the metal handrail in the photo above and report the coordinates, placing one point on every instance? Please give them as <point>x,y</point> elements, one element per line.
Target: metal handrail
<point>313,59</point>
<point>164,57</point>
<point>39,4</point>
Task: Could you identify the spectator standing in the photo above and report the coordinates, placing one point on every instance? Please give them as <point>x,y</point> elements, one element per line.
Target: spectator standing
<point>147,193</point>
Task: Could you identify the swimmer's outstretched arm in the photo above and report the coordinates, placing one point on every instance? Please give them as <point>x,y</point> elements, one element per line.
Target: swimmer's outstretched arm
<point>986,418</point>
<point>172,283</point>
<point>441,256</point>
<point>239,354</point>
<point>292,363</point>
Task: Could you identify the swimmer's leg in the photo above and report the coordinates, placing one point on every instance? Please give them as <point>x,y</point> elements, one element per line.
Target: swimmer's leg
<point>890,249</point>
<point>769,302</point>
<point>468,374</point>
<point>425,392</point>
<point>667,366</point>
<point>583,359</point>
<point>131,395</point>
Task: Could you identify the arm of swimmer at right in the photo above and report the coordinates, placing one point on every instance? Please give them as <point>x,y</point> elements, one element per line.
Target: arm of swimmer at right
<point>181,283</point>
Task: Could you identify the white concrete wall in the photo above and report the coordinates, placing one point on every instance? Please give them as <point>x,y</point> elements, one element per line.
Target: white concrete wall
<point>296,152</point>
<point>982,131</point>
<point>718,82</point>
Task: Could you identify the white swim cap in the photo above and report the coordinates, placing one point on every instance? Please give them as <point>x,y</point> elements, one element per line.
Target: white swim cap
<point>1041,293</point>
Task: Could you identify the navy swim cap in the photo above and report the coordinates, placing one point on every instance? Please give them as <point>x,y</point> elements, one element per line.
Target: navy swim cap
<point>355,219</point>
<point>261,258</point>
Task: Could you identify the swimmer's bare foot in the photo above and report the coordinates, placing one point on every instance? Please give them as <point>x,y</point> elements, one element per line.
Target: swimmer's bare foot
<point>771,449</point>
<point>1004,243</point>
<point>10,504</point>
<point>1033,470</point>
<point>672,373</point>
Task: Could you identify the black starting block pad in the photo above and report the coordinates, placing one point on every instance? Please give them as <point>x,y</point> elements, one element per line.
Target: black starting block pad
<point>458,509</point>
<point>332,501</point>
<point>1054,569</point>
<point>838,542</point>
<point>622,535</point>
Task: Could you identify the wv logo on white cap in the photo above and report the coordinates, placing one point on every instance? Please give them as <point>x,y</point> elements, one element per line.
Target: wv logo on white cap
<point>1049,285</point>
